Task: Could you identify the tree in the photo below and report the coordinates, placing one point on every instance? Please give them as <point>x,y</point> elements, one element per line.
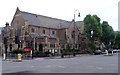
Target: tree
<point>116,43</point>
<point>92,23</point>
<point>108,34</point>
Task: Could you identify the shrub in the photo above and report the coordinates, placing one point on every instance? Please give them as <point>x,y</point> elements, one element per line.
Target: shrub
<point>47,53</point>
<point>16,51</point>
<point>38,54</point>
<point>92,46</point>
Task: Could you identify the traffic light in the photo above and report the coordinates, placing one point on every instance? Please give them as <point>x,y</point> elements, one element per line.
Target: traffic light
<point>5,40</point>
<point>16,40</point>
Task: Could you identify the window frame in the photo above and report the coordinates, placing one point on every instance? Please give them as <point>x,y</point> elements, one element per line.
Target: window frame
<point>43,31</point>
<point>33,30</point>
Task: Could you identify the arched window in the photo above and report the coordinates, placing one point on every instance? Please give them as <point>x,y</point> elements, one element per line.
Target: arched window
<point>43,31</point>
<point>78,37</point>
<point>53,32</point>
<point>32,30</point>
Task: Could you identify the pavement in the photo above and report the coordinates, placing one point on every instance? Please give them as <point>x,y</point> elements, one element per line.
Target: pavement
<point>78,64</point>
<point>52,57</point>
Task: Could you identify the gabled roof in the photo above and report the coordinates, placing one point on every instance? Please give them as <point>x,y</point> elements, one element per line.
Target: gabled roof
<point>1,29</point>
<point>44,21</point>
<point>32,19</point>
<point>51,22</point>
<point>35,35</point>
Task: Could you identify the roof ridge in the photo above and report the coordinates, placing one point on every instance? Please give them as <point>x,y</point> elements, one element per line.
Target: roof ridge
<point>28,12</point>
<point>53,18</point>
<point>44,16</point>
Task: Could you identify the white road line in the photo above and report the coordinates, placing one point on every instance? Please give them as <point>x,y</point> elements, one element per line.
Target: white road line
<point>99,68</point>
<point>32,66</point>
<point>38,58</point>
<point>59,66</point>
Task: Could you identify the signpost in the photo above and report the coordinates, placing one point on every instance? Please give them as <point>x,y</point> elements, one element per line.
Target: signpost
<point>28,49</point>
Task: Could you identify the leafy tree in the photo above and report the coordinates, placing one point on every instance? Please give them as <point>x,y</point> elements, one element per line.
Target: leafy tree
<point>108,34</point>
<point>116,43</point>
<point>92,23</point>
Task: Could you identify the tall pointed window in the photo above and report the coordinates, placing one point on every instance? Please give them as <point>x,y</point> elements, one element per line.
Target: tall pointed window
<point>32,30</point>
<point>53,32</point>
<point>43,31</point>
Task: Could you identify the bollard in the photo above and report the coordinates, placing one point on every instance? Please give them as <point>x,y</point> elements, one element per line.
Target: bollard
<point>112,53</point>
<point>106,52</point>
<point>62,56</point>
<point>4,56</point>
<point>19,57</point>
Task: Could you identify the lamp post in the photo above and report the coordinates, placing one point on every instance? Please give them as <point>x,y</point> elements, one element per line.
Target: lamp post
<point>75,29</point>
<point>20,44</point>
<point>34,43</point>
<point>78,14</point>
<point>92,41</point>
<point>5,40</point>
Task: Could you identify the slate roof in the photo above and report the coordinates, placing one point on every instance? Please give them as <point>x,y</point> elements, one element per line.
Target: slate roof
<point>31,18</point>
<point>0,29</point>
<point>44,21</point>
<point>35,35</point>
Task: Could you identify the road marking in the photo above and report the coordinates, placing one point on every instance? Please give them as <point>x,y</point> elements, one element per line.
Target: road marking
<point>38,58</point>
<point>32,66</point>
<point>99,68</point>
<point>59,66</point>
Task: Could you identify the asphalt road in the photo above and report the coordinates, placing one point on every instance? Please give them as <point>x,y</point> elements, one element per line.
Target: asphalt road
<point>0,64</point>
<point>80,64</point>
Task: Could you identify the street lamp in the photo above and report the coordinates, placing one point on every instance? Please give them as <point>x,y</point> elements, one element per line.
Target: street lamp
<point>78,14</point>
<point>5,40</point>
<point>74,27</point>
<point>20,44</point>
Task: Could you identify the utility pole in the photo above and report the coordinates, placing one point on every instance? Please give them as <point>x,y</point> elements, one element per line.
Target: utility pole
<point>5,36</point>
<point>74,46</point>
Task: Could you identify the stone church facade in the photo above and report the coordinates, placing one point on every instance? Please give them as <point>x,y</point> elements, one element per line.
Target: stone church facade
<point>43,33</point>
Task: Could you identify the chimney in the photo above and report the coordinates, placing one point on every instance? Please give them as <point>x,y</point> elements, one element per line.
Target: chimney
<point>7,24</point>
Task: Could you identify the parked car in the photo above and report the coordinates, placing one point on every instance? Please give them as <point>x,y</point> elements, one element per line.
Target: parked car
<point>116,51</point>
<point>97,52</point>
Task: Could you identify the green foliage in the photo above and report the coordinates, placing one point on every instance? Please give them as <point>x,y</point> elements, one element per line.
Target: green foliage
<point>68,50</point>
<point>116,43</point>
<point>16,51</point>
<point>92,23</point>
<point>92,46</point>
<point>102,31</point>
<point>47,53</point>
<point>42,54</point>
<point>38,54</point>
<point>108,34</point>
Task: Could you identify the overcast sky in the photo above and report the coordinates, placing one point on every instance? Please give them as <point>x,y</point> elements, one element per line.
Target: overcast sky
<point>107,10</point>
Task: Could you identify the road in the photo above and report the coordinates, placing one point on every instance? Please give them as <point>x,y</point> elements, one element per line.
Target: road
<point>0,64</point>
<point>79,64</point>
